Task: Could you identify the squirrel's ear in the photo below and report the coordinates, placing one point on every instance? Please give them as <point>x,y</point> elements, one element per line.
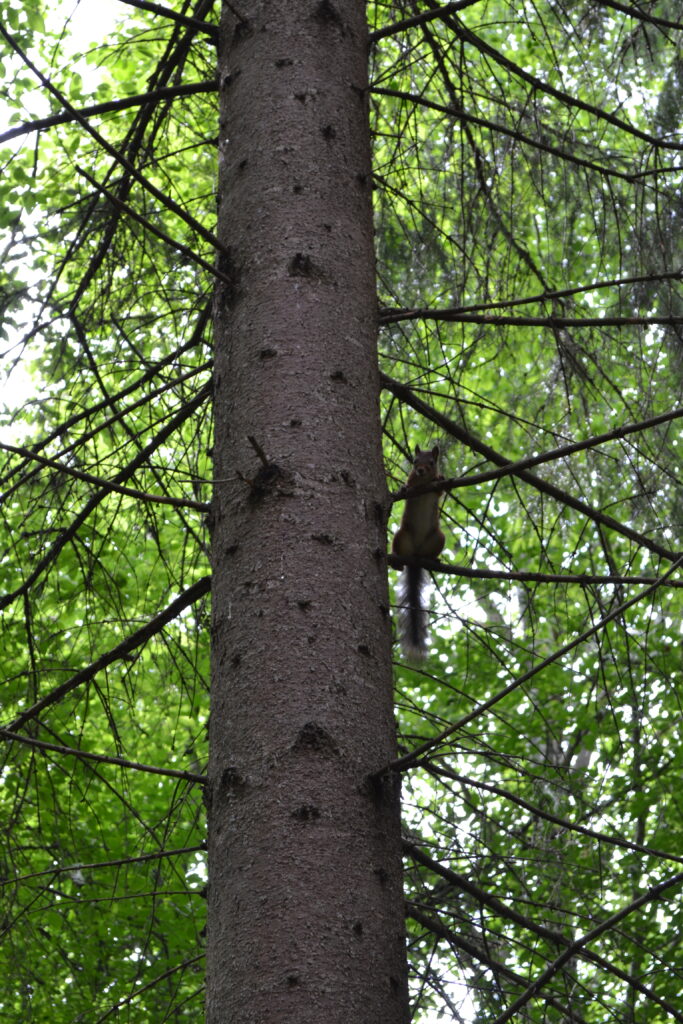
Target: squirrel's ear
<point>435,451</point>
<point>417,451</point>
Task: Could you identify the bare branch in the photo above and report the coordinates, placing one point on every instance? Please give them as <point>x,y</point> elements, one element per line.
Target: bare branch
<point>451,427</point>
<point>457,316</point>
<point>512,469</point>
<point>86,755</point>
<point>131,643</point>
<point>479,954</point>
<point>563,293</point>
<point>127,1000</point>
<point>601,837</point>
<point>94,501</point>
<point>98,864</point>
<point>409,760</point>
<point>159,499</point>
<point>163,197</point>
<point>181,19</point>
<point>420,19</point>
<point>571,948</point>
<point>582,579</point>
<point>459,114</point>
<point>563,97</point>
<point>185,250</point>
<point>577,948</point>
<point>641,15</point>
<point>153,96</point>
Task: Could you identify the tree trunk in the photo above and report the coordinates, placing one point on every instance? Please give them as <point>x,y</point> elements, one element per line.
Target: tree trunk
<point>305,894</point>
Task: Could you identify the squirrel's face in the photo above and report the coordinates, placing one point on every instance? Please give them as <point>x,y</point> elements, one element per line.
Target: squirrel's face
<point>425,462</point>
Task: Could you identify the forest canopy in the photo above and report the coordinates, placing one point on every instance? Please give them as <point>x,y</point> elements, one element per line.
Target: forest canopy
<point>526,180</point>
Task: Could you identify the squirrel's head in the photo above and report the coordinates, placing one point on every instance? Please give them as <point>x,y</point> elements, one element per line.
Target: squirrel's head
<point>425,462</point>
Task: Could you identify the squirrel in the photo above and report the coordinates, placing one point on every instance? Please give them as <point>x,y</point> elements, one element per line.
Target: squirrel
<point>418,536</point>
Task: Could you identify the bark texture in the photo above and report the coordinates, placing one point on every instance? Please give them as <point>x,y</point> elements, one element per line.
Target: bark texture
<point>305,895</point>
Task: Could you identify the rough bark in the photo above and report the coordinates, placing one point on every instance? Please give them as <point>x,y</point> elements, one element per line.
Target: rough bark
<point>305,895</point>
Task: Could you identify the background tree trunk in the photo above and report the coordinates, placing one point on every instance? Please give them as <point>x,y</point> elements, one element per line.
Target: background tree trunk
<point>305,898</point>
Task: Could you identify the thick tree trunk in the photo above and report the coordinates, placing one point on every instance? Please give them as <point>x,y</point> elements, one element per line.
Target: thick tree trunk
<point>305,898</point>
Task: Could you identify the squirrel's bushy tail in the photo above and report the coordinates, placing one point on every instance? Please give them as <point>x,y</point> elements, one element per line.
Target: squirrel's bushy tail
<point>413,617</point>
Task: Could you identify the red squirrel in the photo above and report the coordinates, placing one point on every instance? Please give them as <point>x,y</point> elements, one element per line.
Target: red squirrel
<point>418,536</point>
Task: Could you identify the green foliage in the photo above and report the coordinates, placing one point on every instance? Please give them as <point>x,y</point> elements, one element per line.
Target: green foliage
<point>473,222</point>
<point>537,239</point>
<point>103,865</point>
